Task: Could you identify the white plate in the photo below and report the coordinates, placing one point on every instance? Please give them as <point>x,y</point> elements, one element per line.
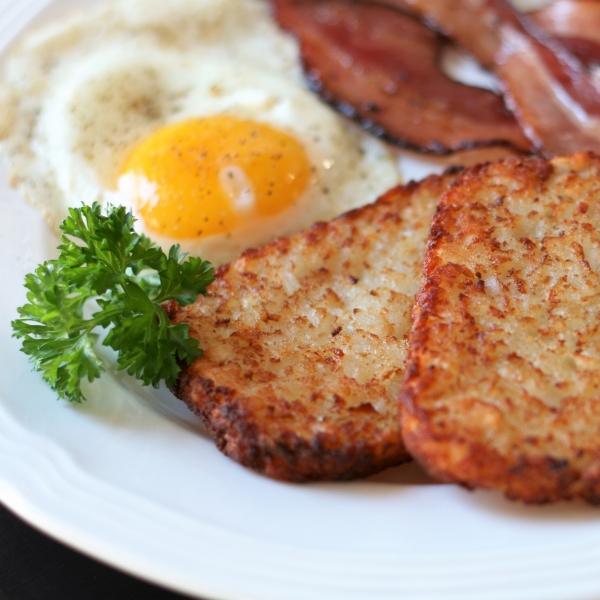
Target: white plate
<point>131,478</point>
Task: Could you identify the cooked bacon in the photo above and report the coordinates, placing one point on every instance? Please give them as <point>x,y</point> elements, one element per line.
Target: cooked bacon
<point>576,23</point>
<point>549,88</point>
<point>552,93</point>
<point>381,67</point>
<point>472,24</point>
<point>552,119</point>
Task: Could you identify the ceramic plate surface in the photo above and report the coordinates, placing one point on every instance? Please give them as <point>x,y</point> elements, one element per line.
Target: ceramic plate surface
<point>131,478</point>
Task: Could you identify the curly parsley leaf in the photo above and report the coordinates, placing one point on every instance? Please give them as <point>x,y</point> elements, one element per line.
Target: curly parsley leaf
<point>103,259</point>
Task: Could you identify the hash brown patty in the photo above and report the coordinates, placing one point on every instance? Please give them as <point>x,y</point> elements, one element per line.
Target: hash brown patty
<point>305,344</point>
<point>502,388</point>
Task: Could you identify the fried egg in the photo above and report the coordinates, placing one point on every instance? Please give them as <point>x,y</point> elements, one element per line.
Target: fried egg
<point>194,114</point>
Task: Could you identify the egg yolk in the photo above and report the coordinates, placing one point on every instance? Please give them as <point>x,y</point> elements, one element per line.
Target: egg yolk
<point>206,176</point>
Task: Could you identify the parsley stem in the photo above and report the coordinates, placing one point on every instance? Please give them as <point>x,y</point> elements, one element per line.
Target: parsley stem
<point>105,318</point>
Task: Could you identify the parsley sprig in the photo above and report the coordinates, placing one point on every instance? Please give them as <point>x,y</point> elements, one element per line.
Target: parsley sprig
<point>103,258</point>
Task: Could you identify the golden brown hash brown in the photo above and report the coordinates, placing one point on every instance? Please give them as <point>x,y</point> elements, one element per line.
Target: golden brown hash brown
<point>502,388</point>
<point>304,342</point>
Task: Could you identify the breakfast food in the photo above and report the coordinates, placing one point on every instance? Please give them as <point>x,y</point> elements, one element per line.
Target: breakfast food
<point>545,82</point>
<point>576,23</point>
<point>304,342</point>
<point>560,105</point>
<point>382,67</point>
<point>503,388</point>
<point>195,115</point>
<point>192,113</point>
<point>456,21</point>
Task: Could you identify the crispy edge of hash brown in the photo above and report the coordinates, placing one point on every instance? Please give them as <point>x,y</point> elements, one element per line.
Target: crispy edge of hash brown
<point>469,411</point>
<point>336,427</point>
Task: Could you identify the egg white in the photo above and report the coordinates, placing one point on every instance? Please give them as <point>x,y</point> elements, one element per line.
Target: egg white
<point>84,92</point>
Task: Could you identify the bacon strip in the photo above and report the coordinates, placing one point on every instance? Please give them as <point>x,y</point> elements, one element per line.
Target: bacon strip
<point>555,122</point>
<point>576,23</point>
<point>549,88</point>
<point>472,24</point>
<point>381,67</point>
